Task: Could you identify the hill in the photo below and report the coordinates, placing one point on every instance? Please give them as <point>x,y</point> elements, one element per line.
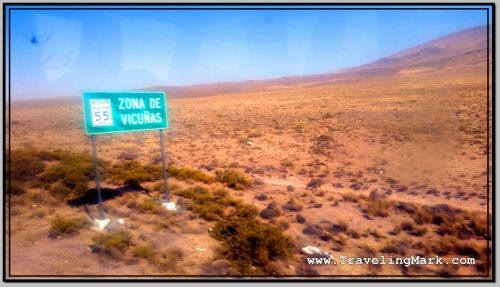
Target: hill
<point>458,52</point>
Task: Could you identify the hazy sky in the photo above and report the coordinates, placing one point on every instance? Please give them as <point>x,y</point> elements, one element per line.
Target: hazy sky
<point>61,52</point>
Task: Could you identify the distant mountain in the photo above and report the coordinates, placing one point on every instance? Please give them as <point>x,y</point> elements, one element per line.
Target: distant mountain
<point>463,50</point>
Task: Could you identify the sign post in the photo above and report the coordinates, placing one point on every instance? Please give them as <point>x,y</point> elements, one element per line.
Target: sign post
<point>167,203</point>
<point>97,179</point>
<point>116,112</point>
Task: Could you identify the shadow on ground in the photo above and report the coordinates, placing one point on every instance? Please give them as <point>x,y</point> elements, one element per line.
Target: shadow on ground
<point>90,196</point>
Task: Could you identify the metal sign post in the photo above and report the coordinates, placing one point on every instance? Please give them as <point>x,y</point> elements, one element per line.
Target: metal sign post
<point>101,220</point>
<point>165,185</point>
<point>167,203</point>
<point>162,147</point>
<point>97,179</point>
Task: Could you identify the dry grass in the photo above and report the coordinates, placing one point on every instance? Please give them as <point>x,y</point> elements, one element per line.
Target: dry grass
<point>67,226</point>
<point>112,244</point>
<point>343,140</point>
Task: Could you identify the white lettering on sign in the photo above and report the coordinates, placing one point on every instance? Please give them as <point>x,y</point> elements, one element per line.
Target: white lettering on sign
<point>141,118</point>
<point>101,113</point>
<point>131,103</point>
<point>154,103</point>
<point>145,117</point>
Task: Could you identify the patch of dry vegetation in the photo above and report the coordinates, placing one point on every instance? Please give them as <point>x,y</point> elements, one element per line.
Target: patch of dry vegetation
<point>247,241</point>
<point>234,178</point>
<point>67,226</point>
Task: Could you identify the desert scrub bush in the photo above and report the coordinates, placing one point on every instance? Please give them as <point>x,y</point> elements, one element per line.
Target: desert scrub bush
<point>314,184</point>
<point>60,191</point>
<point>411,228</point>
<point>300,218</point>
<point>243,210</point>
<point>233,178</point>
<point>145,252</point>
<point>261,197</point>
<point>479,226</point>
<point>422,215</point>
<point>320,193</point>
<point>67,226</point>
<point>367,252</point>
<point>70,162</point>
<point>340,226</point>
<point>444,246</point>
<point>25,165</point>
<point>322,144</point>
<point>254,135</point>
<point>350,197</point>
<point>113,243</point>
<point>73,170</point>
<point>354,234</point>
<point>207,204</point>
<point>396,230</point>
<point>150,206</point>
<point>287,164</point>
<point>233,165</point>
<point>375,233</point>
<point>133,171</point>
<point>378,207</point>
<point>17,189</point>
<point>327,116</point>
<point>293,205</point>
<point>324,138</point>
<point>248,242</point>
<point>168,261</point>
<point>283,224</point>
<point>37,197</point>
<point>399,247</point>
<point>156,159</point>
<point>170,224</point>
<point>271,211</point>
<point>189,174</point>
<point>77,182</point>
<point>468,248</point>
<point>129,199</point>
<point>40,184</point>
<point>172,187</point>
<point>451,221</point>
<point>128,154</point>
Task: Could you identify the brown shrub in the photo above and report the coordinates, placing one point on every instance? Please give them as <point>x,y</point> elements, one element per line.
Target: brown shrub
<point>67,226</point>
<point>340,226</point>
<point>378,207</point>
<point>300,219</point>
<point>293,205</point>
<point>396,246</point>
<point>411,228</point>
<point>349,197</point>
<point>112,244</point>
<point>271,211</point>
<point>314,184</point>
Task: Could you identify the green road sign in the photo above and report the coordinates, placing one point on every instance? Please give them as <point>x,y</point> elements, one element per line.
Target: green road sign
<point>115,112</point>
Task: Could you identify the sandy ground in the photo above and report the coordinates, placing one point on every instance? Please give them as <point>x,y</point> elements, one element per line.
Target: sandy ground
<point>415,138</point>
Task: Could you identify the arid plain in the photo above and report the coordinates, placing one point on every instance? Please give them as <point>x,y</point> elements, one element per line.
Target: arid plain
<point>389,158</point>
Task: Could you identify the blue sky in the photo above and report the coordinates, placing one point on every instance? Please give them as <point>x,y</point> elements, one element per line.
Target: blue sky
<point>59,53</point>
